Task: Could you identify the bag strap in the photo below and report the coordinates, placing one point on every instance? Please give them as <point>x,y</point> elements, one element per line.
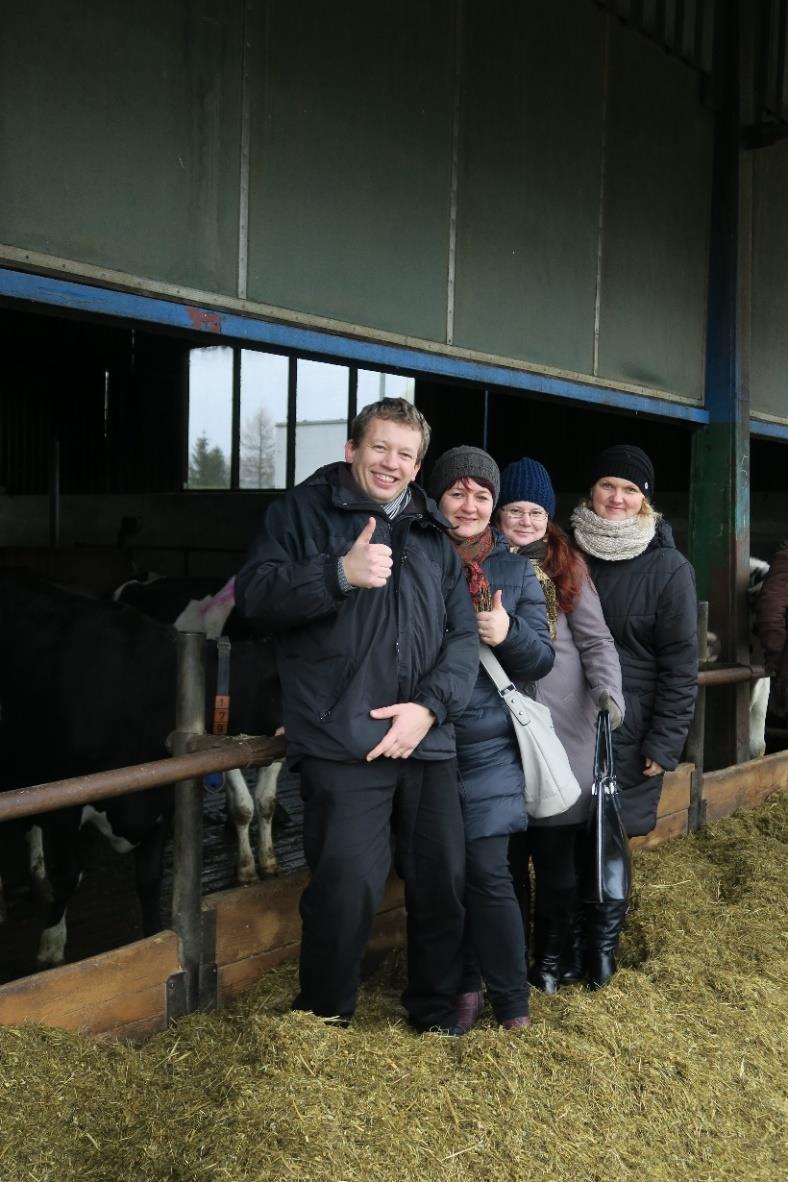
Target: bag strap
<point>604,769</point>
<point>516,702</point>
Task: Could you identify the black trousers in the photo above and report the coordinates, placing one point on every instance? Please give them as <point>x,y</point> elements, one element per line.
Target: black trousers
<point>495,940</point>
<point>350,812</point>
<point>554,851</point>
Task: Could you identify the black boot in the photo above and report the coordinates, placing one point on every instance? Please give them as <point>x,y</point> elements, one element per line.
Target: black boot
<point>573,954</point>
<point>550,938</point>
<point>604,922</point>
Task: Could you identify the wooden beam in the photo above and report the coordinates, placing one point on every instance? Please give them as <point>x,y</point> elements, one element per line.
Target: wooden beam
<point>103,994</point>
<point>745,786</point>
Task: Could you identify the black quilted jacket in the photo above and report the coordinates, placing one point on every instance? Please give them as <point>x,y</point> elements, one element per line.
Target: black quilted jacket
<point>651,608</point>
<point>340,655</point>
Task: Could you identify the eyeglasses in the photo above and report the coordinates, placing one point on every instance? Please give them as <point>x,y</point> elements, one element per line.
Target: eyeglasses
<point>519,514</point>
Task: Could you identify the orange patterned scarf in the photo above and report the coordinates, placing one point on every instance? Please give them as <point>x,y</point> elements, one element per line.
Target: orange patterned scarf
<point>473,552</point>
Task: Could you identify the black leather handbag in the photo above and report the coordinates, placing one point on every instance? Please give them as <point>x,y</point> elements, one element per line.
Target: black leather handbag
<point>609,867</point>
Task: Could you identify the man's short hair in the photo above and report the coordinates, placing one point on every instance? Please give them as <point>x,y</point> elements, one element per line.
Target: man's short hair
<point>396,410</point>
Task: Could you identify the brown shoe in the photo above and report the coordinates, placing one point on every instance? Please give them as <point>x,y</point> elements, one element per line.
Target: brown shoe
<point>469,1010</point>
<point>515,1023</point>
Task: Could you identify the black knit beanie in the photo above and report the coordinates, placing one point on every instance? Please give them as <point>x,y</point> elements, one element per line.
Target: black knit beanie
<point>625,462</point>
<point>461,463</point>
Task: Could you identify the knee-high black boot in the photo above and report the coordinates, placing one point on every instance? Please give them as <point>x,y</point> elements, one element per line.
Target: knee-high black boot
<point>604,922</point>
<point>550,937</point>
<point>573,953</point>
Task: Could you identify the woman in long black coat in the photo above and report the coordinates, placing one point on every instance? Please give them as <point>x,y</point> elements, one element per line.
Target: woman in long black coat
<point>647,591</point>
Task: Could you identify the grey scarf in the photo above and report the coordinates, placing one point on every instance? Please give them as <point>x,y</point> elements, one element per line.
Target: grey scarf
<point>612,541</point>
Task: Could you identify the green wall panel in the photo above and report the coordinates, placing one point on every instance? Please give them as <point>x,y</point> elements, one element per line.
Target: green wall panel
<point>655,220</point>
<point>120,140</point>
<point>528,204</point>
<point>350,143</point>
<point>769,361</point>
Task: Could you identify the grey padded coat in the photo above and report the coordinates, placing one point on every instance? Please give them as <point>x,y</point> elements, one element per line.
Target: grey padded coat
<point>586,663</point>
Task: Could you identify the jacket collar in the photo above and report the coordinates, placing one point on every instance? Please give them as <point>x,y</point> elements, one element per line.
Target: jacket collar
<point>346,494</point>
<point>663,536</point>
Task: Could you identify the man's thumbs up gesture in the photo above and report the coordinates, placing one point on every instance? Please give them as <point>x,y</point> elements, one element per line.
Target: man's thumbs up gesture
<point>367,564</point>
<point>494,626</point>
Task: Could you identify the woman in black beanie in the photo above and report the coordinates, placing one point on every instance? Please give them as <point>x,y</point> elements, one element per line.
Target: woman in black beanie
<point>647,591</point>
<point>512,621</point>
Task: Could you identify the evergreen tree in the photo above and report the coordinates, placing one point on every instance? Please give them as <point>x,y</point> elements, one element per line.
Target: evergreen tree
<point>208,467</point>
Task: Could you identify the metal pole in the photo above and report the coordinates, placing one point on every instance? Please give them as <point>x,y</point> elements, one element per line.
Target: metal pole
<point>54,495</point>
<point>719,536</point>
<point>697,733</point>
<point>210,755</point>
<point>187,854</point>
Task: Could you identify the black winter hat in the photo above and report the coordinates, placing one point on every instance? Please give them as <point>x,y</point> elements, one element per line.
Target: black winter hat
<point>459,463</point>
<point>625,462</point>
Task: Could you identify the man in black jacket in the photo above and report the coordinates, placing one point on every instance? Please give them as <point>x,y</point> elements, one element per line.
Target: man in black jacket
<point>377,650</point>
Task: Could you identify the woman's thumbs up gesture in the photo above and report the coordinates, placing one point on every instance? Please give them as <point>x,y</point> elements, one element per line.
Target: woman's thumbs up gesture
<point>494,625</point>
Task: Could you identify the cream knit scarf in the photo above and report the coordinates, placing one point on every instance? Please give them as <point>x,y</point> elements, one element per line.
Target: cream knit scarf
<point>611,540</point>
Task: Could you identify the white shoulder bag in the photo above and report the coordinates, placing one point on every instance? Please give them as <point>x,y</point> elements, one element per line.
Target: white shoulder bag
<point>550,784</point>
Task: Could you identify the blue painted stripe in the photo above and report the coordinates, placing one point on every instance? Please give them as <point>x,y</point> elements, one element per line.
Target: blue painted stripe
<point>763,430</point>
<point>105,301</point>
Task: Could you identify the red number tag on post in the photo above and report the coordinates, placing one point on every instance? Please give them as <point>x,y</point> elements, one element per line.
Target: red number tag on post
<point>221,714</point>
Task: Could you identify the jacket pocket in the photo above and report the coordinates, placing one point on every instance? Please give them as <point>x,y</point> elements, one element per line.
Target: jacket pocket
<point>322,683</point>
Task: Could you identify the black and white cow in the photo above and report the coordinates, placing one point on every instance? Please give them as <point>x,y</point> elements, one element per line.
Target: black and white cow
<point>213,613</point>
<point>87,685</point>
<point>759,691</point>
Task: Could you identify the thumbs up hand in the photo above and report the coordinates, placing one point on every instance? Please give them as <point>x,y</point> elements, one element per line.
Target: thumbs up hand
<point>367,564</point>
<point>494,625</point>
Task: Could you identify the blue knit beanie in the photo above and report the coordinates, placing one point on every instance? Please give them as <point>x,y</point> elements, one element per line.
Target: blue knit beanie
<point>527,480</point>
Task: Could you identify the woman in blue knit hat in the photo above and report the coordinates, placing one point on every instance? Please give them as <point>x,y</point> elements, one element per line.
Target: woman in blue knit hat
<point>586,676</point>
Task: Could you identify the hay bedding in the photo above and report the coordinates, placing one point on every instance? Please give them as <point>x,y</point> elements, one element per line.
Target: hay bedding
<point>675,1071</point>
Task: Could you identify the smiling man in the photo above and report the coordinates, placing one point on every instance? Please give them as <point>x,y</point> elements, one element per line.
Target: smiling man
<point>377,650</point>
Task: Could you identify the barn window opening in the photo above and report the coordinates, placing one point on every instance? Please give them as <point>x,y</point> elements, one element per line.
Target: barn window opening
<point>261,420</point>
<point>321,415</point>
<point>210,417</point>
<point>372,386</point>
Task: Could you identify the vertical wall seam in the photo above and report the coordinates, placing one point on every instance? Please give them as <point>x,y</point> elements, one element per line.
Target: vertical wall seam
<point>245,156</point>
<point>454,173</point>
<point>602,178</point>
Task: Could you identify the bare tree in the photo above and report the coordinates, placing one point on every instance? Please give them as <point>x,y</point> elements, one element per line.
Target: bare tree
<point>257,452</point>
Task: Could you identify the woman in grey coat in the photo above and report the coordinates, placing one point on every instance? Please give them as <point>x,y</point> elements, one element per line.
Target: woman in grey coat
<point>586,677</point>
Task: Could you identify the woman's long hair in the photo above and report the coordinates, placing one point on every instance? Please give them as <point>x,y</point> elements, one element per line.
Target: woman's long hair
<point>565,566</point>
